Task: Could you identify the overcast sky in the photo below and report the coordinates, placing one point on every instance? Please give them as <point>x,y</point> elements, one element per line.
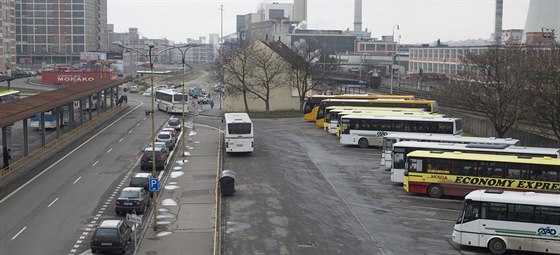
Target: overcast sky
<point>420,21</point>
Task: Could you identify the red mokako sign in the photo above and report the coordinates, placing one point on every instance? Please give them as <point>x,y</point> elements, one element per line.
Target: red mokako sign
<point>76,78</point>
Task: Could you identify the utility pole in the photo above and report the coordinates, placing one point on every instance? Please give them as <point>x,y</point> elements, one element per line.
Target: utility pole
<point>221,23</point>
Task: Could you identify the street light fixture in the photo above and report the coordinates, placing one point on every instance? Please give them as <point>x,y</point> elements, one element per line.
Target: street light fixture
<point>150,56</point>
<point>183,49</point>
<point>393,57</point>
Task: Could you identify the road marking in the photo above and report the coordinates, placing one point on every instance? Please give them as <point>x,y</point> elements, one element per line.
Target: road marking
<point>130,131</point>
<point>19,233</point>
<point>121,139</point>
<point>56,199</point>
<point>109,150</point>
<point>67,155</point>
<point>77,179</point>
<point>138,124</point>
<point>95,163</point>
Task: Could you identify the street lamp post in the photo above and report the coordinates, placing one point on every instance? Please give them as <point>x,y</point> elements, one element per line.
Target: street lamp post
<point>150,57</point>
<point>393,58</point>
<point>183,49</point>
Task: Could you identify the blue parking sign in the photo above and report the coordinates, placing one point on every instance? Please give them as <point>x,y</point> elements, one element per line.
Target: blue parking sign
<point>154,184</point>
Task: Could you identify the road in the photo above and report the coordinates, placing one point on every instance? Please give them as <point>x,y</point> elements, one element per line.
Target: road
<point>301,192</point>
<point>55,208</point>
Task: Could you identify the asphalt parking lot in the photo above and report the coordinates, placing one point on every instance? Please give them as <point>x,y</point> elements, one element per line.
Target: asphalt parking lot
<point>302,192</point>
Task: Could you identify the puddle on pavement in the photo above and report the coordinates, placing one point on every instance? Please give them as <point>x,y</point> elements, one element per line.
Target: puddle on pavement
<point>171,187</point>
<point>169,202</point>
<point>236,226</point>
<point>176,174</point>
<point>192,133</point>
<point>163,233</point>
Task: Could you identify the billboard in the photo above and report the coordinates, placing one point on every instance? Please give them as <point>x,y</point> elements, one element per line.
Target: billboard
<point>92,56</point>
<point>76,78</point>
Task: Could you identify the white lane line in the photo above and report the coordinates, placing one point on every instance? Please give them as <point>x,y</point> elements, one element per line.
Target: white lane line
<point>138,124</point>
<point>19,233</point>
<point>121,139</point>
<point>130,131</point>
<point>95,163</point>
<point>56,199</point>
<point>67,155</point>
<point>109,150</point>
<point>77,179</point>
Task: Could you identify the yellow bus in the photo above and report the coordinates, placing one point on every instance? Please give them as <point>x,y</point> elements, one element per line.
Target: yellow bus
<point>8,95</point>
<point>312,103</point>
<point>427,105</point>
<point>439,173</point>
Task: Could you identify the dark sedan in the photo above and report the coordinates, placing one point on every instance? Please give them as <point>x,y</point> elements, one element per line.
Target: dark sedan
<point>132,199</point>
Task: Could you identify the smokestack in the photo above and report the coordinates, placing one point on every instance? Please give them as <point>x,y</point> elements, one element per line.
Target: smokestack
<point>300,10</point>
<point>358,15</point>
<point>498,22</point>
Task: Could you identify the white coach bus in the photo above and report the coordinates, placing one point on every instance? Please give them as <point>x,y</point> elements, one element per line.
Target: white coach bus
<point>171,101</point>
<point>369,130</point>
<point>510,220</point>
<point>238,132</point>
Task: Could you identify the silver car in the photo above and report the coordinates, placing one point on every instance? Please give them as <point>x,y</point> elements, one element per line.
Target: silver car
<point>167,137</point>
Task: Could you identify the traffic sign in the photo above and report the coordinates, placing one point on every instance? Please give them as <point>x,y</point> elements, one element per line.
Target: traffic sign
<point>154,184</point>
<point>134,218</point>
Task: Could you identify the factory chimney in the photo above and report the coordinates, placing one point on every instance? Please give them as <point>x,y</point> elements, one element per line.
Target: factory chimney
<point>498,22</point>
<point>357,15</point>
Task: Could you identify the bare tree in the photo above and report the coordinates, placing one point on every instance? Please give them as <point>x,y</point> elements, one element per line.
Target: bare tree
<point>232,69</point>
<point>268,72</point>
<point>544,78</point>
<point>306,70</point>
<point>492,83</point>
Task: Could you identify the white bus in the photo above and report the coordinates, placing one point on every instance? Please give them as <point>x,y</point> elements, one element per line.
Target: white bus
<point>171,101</point>
<point>239,132</point>
<point>509,220</point>
<point>331,125</point>
<point>401,149</point>
<point>389,140</point>
<point>369,130</point>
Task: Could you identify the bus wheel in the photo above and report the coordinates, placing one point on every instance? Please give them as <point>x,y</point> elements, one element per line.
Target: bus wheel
<point>497,246</point>
<point>435,191</point>
<point>363,143</point>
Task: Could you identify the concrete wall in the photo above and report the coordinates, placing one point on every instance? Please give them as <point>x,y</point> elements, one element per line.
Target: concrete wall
<point>479,126</point>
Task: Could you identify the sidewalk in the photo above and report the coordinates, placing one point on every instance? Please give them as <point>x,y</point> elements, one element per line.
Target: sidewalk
<point>187,203</point>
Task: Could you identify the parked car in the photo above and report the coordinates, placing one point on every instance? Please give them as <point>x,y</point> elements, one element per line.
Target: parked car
<point>162,145</point>
<point>161,87</point>
<point>174,123</point>
<point>166,137</point>
<point>204,99</point>
<point>141,180</point>
<point>147,93</point>
<point>173,132</point>
<point>132,200</point>
<point>161,158</point>
<point>133,89</point>
<point>111,235</point>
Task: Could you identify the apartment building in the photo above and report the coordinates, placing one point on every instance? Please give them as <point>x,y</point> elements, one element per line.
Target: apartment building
<point>56,31</point>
